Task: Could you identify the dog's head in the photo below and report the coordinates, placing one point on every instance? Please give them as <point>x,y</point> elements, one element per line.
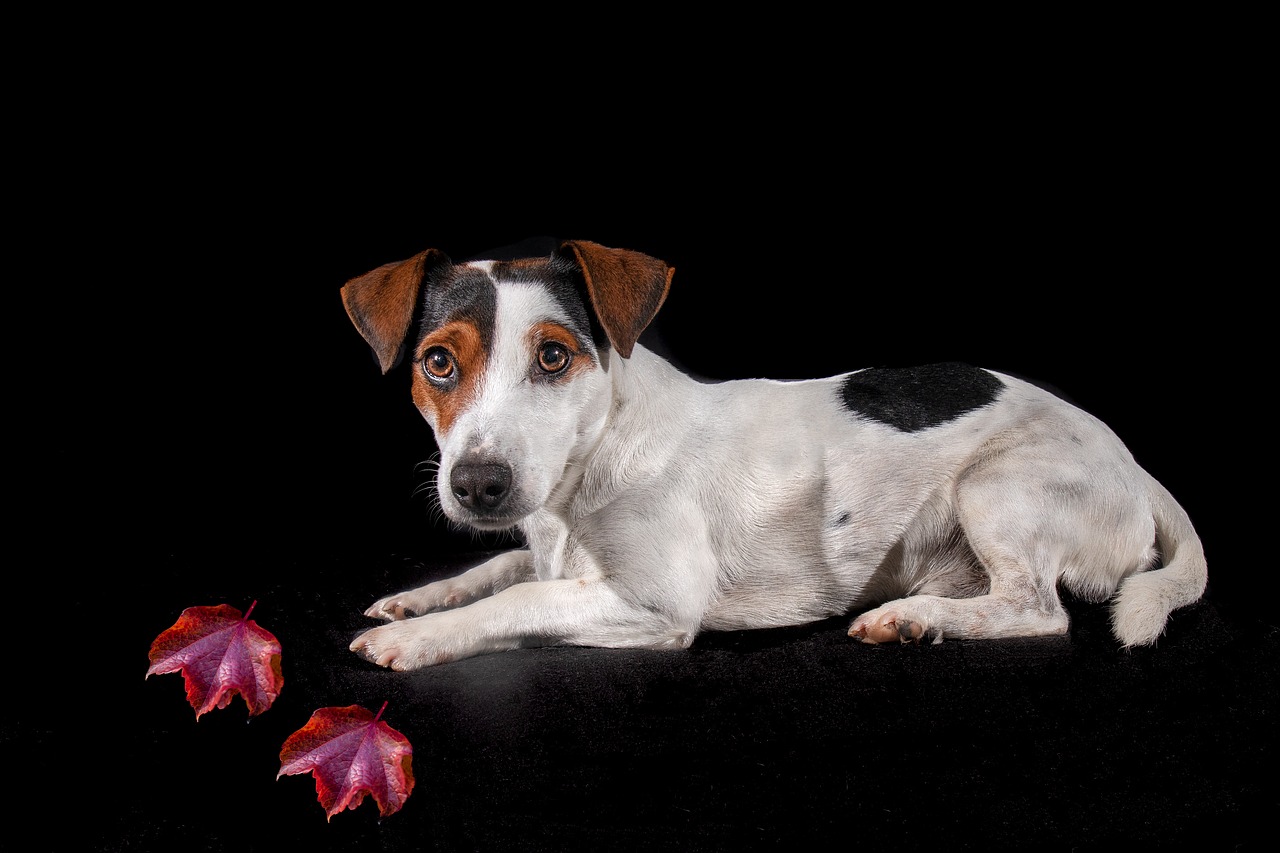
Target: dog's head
<point>510,361</point>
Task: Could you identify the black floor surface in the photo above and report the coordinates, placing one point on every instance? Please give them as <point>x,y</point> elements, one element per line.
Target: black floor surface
<point>779,739</point>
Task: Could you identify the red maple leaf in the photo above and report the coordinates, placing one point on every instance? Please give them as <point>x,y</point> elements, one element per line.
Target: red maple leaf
<point>351,752</point>
<point>220,653</point>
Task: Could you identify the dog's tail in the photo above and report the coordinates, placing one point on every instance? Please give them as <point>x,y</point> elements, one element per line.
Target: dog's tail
<point>1145,600</point>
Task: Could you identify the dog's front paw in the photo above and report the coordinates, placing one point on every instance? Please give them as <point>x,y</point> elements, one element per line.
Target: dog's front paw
<point>402,646</point>
<point>415,602</point>
<point>886,626</point>
<point>393,607</point>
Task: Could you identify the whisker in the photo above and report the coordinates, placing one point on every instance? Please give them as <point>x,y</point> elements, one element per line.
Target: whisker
<point>432,461</point>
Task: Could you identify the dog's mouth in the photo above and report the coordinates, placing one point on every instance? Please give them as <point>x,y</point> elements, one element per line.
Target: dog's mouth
<point>484,522</point>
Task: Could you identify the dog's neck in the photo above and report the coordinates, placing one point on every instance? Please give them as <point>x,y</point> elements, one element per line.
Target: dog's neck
<point>635,442</point>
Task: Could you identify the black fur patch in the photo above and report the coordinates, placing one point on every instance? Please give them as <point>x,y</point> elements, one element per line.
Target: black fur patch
<point>560,275</point>
<point>565,284</point>
<point>460,294</point>
<point>916,398</point>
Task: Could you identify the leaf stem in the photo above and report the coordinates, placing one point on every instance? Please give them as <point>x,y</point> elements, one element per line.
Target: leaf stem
<point>250,610</point>
<point>378,716</point>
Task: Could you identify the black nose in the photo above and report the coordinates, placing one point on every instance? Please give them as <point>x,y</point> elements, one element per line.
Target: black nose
<point>480,486</point>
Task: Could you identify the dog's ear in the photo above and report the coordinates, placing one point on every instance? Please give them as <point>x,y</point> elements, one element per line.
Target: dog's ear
<point>381,303</point>
<point>626,288</point>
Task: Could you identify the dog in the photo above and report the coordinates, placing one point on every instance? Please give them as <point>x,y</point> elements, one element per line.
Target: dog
<point>938,501</point>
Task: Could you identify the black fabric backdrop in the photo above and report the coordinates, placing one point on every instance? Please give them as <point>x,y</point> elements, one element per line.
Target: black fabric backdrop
<point>227,438</point>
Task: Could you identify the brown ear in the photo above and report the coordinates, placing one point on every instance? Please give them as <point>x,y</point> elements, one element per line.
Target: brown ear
<point>381,303</point>
<point>626,288</point>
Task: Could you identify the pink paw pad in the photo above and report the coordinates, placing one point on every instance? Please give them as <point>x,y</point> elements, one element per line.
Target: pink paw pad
<point>886,629</point>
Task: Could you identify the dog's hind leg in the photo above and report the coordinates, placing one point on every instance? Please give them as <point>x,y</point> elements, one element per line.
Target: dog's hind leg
<point>1064,506</point>
<point>1017,536</point>
<point>1020,598</point>
<point>1016,607</point>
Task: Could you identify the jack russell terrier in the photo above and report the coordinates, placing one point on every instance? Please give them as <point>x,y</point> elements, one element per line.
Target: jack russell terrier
<point>952,500</point>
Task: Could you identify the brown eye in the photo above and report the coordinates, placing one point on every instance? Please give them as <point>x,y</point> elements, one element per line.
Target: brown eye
<point>553,357</point>
<point>438,363</point>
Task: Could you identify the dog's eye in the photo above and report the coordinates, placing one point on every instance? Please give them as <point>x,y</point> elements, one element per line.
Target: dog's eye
<point>553,357</point>
<point>438,364</point>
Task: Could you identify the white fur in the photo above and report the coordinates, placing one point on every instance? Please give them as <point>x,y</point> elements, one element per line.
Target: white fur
<point>655,506</point>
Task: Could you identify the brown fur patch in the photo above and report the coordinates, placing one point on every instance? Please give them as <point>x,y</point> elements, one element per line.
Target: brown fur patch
<point>381,303</point>
<point>443,405</point>
<point>627,289</point>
